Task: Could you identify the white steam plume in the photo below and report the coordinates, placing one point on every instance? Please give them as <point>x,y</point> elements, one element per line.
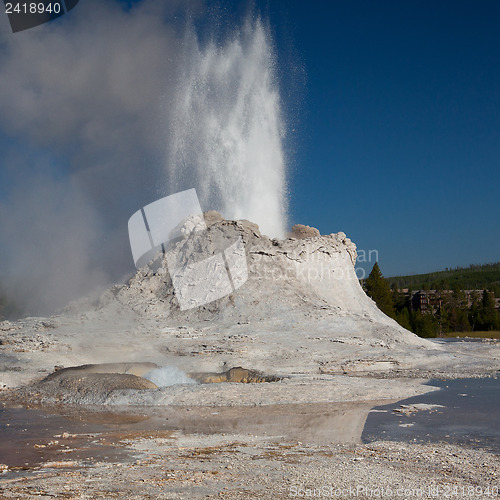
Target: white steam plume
<point>87,105</point>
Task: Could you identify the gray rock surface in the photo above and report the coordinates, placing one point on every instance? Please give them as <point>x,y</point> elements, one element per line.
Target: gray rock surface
<point>300,232</point>
<point>301,313</point>
<point>97,385</point>
<point>301,316</point>
<point>212,217</point>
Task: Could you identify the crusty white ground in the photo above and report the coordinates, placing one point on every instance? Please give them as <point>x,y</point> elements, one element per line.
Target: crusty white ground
<point>246,467</point>
<point>301,315</point>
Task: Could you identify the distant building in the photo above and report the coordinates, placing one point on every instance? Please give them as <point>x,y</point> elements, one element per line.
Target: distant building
<point>431,300</point>
<point>427,300</point>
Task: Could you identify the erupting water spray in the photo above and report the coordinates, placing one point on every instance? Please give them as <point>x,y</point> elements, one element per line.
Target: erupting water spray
<point>227,132</point>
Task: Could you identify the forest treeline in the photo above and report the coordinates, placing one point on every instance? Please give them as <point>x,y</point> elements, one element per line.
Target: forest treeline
<point>474,277</point>
<point>434,304</point>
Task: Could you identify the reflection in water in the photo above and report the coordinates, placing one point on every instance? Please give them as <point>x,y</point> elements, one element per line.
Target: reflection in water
<point>311,423</point>
<point>469,416</point>
<point>31,437</point>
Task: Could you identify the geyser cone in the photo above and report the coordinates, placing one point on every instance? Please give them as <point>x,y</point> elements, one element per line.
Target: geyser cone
<point>303,279</point>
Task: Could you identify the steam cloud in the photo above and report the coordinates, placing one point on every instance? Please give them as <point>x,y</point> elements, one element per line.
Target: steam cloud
<point>91,117</point>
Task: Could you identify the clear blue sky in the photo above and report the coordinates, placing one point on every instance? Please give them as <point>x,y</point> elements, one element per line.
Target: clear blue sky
<point>398,136</point>
<point>393,110</point>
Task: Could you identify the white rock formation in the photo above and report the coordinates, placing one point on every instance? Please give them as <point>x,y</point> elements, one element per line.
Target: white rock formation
<point>301,315</point>
<point>289,281</point>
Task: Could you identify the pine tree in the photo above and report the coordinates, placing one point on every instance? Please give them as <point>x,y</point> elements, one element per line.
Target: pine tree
<point>454,312</point>
<point>424,325</point>
<point>379,290</point>
<point>475,311</point>
<point>403,318</point>
<point>487,314</point>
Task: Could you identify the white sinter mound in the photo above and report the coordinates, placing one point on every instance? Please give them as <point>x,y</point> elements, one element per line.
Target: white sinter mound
<point>301,313</point>
<point>309,279</point>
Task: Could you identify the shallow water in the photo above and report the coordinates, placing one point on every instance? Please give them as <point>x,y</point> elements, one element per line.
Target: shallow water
<point>463,339</point>
<point>31,437</point>
<point>28,437</point>
<point>470,416</point>
<point>96,435</point>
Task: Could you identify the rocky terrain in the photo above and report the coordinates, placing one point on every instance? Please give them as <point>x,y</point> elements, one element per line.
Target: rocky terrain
<point>302,312</point>
<point>298,329</point>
